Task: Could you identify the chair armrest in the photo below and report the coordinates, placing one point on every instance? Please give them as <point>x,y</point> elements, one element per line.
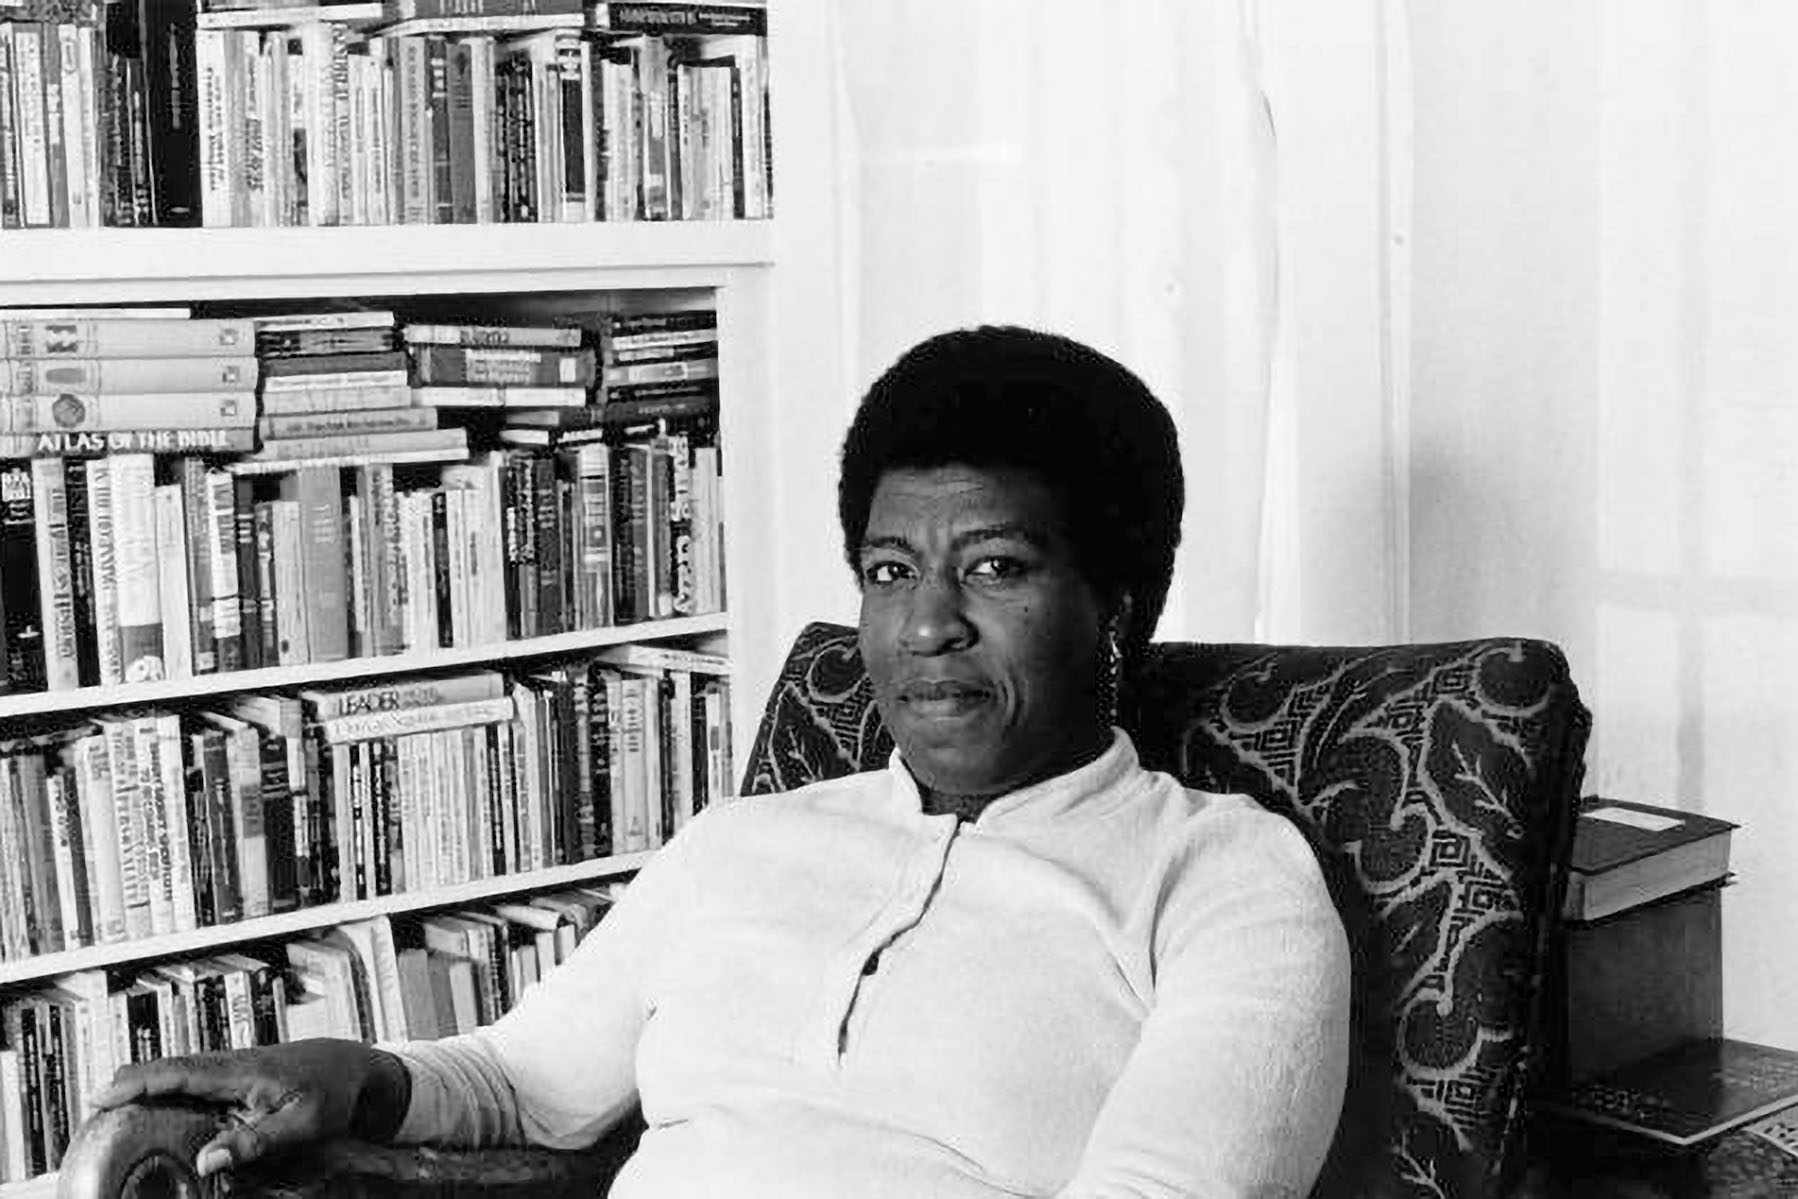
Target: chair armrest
<point>145,1151</point>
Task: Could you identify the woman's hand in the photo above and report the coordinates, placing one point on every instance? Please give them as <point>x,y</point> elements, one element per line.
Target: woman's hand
<point>277,1096</point>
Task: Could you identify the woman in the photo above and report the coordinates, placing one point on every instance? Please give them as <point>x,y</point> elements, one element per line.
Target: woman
<point>1011,963</point>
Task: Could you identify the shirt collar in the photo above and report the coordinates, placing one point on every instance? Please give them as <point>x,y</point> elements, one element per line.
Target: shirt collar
<point>1103,776</point>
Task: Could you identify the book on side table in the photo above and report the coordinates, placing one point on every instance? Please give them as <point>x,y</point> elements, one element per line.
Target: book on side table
<point>1628,854</point>
<point>1688,1094</point>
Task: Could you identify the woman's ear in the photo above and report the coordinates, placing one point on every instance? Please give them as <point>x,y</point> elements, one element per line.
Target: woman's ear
<point>1119,622</point>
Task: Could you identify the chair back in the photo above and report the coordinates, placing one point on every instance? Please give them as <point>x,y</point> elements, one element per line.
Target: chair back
<point>1438,785</point>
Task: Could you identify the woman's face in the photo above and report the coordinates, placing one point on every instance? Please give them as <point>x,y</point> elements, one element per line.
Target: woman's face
<point>981,636</point>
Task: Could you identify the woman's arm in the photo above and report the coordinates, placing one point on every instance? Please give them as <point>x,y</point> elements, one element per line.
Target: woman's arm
<point>559,1069</point>
<point>1236,1085</point>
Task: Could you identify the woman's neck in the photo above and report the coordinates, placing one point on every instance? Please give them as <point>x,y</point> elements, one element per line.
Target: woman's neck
<point>967,808</point>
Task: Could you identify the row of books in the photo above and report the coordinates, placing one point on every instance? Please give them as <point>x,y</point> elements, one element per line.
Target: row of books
<point>414,978</point>
<point>144,823</point>
<point>308,386</point>
<point>124,569</point>
<point>147,112</point>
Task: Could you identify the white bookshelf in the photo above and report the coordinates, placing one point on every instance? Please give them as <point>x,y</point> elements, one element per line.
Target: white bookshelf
<point>522,268</point>
<point>301,920</point>
<point>34,703</point>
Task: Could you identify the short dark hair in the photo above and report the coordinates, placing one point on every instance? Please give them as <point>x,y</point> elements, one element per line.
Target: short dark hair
<point>1003,396</point>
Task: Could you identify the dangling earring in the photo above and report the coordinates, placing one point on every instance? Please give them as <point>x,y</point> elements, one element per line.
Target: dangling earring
<point>1111,670</point>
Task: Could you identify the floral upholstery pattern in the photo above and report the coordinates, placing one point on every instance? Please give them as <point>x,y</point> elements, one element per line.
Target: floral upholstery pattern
<point>1438,785</point>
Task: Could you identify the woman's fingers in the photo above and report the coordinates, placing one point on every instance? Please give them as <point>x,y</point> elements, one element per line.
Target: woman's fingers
<point>259,1130</point>
<point>214,1078</point>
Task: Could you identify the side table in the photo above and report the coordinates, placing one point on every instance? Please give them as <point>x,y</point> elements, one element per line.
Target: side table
<point>1572,1161</point>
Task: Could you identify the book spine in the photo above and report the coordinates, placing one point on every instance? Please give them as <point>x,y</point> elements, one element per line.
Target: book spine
<point>12,214</point>
<point>324,424</point>
<point>493,336</point>
<point>98,443</point>
<point>20,595</point>
<point>139,378</point>
<point>75,337</point>
<point>502,366</point>
<point>340,128</point>
<point>290,607</point>
<point>73,413</point>
<point>323,563</point>
<point>171,581</point>
<point>217,170</point>
<point>168,37</point>
<point>77,125</point>
<point>197,542</point>
<point>218,498</point>
<point>55,152</point>
<point>348,397</point>
<point>27,40</point>
<point>343,446</point>
<point>55,573</point>
<point>71,860</point>
<point>77,481</point>
<point>507,396</point>
<point>678,17</point>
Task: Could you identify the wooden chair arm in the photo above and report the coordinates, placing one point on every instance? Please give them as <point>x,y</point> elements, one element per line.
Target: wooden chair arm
<point>145,1151</point>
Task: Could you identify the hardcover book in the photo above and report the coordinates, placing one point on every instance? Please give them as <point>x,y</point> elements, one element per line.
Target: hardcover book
<point>1689,1093</point>
<point>1626,854</point>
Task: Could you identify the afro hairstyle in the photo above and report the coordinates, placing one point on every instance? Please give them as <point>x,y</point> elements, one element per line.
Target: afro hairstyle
<point>1000,396</point>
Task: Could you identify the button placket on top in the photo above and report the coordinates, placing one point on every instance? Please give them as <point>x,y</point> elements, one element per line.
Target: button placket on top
<point>822,1038</point>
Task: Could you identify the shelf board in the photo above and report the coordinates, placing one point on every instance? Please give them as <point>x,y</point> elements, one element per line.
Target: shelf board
<point>44,266</point>
<point>286,924</point>
<point>36,703</point>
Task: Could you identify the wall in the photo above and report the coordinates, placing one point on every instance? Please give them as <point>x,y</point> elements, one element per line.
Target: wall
<point>1604,435</point>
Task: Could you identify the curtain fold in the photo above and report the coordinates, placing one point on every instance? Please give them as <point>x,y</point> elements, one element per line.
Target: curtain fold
<point>1111,178</point>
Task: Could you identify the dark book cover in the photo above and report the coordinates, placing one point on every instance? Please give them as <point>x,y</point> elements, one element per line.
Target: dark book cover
<point>203,849</point>
<point>278,823</point>
<point>440,565</point>
<point>462,117</point>
<point>19,599</point>
<point>342,362</point>
<point>1624,832</point>
<point>1689,1093</point>
<point>443,181</point>
<point>161,36</point>
<point>249,586</point>
<point>81,571</point>
<point>547,508</point>
<point>680,17</point>
<point>214,798</point>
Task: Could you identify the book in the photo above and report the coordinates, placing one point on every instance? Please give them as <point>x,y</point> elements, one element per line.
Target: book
<point>502,366</point>
<point>504,396</point>
<point>21,608</point>
<point>103,338</point>
<point>679,17</point>
<point>96,443</point>
<point>1689,1093</point>
<point>1626,854</point>
<point>137,377</point>
<point>485,336</point>
<point>71,412</point>
<point>298,452</point>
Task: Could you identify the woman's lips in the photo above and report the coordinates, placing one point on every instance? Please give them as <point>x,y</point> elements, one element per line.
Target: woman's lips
<point>942,699</point>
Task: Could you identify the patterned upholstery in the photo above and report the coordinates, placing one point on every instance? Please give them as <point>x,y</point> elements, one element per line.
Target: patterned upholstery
<point>1438,785</point>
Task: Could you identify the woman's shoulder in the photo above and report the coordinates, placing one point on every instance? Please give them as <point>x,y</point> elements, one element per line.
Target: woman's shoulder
<point>1231,835</point>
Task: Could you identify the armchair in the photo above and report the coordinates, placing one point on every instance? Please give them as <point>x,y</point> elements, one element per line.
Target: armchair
<point>1437,784</point>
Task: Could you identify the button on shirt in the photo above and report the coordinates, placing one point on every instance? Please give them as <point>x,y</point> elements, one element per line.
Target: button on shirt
<point>1106,985</point>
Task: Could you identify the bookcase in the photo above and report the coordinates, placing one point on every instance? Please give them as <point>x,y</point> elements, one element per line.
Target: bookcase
<point>508,273</point>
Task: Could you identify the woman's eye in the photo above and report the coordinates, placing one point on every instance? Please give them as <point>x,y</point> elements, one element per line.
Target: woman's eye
<point>997,568</point>
<point>882,573</point>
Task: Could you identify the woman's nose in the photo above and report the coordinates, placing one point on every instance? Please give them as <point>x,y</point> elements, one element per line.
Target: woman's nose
<point>936,621</point>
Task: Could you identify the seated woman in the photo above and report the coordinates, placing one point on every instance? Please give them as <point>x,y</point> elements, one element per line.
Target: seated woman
<point>1013,962</point>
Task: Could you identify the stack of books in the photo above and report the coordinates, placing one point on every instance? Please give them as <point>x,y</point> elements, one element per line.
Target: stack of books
<point>499,366</point>
<point>1626,855</point>
<point>1687,1094</point>
<point>335,392</point>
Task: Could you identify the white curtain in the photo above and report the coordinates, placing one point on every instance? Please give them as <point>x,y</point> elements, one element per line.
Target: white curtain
<point>1105,175</point>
